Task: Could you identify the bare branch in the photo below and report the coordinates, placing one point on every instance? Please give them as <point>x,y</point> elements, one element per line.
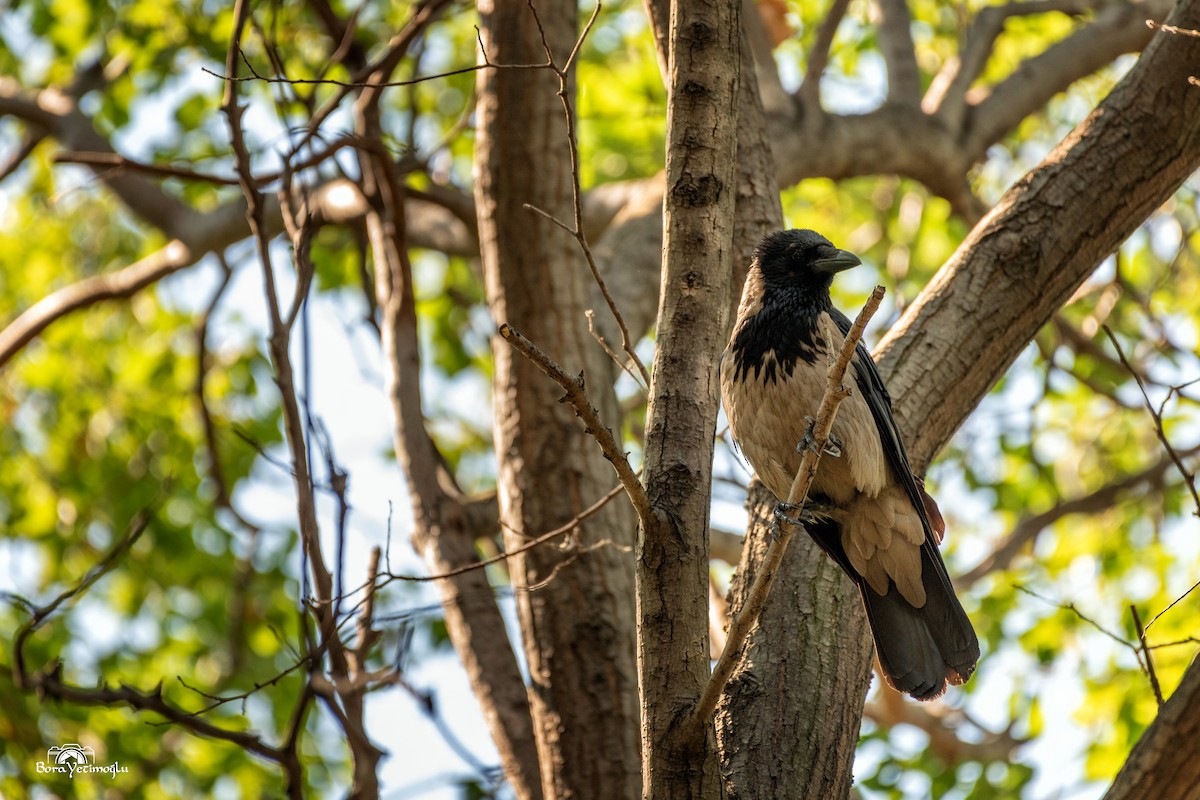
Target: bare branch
<point>1146,656</point>
<point>28,144</point>
<point>567,527</point>
<point>56,113</point>
<point>116,161</point>
<point>594,427</point>
<point>1172,604</point>
<point>90,291</point>
<point>740,626</point>
<point>947,94</point>
<point>1158,26</point>
<point>1116,29</point>
<point>367,635</point>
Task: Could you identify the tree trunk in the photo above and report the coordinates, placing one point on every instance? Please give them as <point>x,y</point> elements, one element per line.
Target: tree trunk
<point>575,601</point>
<point>798,692</point>
<point>679,761</point>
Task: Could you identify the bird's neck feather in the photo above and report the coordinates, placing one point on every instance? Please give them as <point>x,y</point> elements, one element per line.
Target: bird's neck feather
<point>784,328</point>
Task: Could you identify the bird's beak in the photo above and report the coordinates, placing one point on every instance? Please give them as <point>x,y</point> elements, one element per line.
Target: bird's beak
<point>836,263</point>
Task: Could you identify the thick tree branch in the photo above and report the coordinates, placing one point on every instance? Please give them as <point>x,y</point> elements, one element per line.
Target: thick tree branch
<point>1043,239</point>
<point>947,94</point>
<point>90,291</point>
<point>1117,28</point>
<point>57,115</point>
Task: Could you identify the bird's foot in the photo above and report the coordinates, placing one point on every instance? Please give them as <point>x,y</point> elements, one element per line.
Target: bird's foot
<point>833,444</point>
<point>809,513</point>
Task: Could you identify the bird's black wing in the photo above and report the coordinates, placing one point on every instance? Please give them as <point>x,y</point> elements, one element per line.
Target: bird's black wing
<point>948,622</point>
<point>876,395</point>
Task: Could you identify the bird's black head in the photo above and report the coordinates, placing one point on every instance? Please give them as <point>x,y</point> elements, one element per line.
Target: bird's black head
<point>801,259</point>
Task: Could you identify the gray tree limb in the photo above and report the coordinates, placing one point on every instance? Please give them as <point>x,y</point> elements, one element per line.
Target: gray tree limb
<point>1042,240</point>
<point>1163,764</point>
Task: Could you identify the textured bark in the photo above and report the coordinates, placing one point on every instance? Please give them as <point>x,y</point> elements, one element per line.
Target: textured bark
<point>1163,764</point>
<point>798,693</point>
<point>575,602</point>
<point>672,565</point>
<point>1042,240</point>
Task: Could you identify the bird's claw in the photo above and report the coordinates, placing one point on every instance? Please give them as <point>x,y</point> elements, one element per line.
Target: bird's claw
<point>809,513</point>
<point>781,514</point>
<point>833,443</point>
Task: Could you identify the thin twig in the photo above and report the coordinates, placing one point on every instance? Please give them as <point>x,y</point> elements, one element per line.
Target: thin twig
<point>616,359</point>
<point>507,554</point>
<point>1074,609</point>
<point>1188,478</point>
<point>1158,26</point>
<point>120,162</point>
<point>1172,605</point>
<point>576,231</point>
<point>1149,659</point>
<point>584,409</point>
<point>39,614</point>
<point>740,626</point>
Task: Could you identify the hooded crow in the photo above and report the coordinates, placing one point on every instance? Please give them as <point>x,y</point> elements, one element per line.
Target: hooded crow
<point>866,508</point>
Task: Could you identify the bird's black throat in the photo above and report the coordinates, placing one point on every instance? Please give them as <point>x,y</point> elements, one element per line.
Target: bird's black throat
<point>767,345</point>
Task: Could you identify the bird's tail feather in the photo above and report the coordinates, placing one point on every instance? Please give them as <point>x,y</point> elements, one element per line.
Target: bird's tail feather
<point>922,649</point>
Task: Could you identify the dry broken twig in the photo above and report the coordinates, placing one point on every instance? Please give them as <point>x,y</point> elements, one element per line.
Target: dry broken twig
<point>739,628</point>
